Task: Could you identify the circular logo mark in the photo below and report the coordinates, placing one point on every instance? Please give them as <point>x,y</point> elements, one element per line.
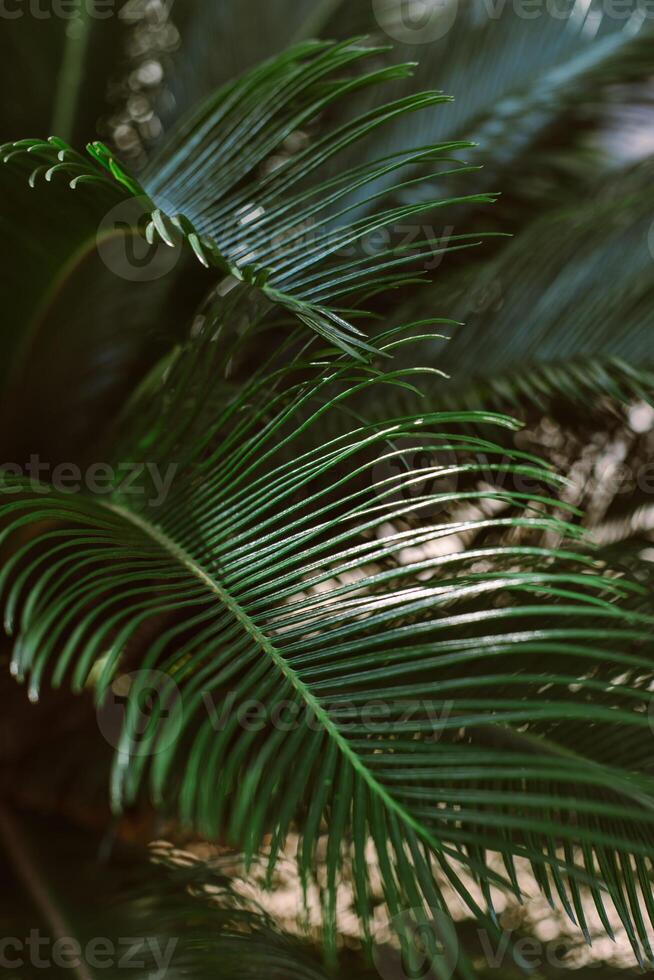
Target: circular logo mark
<point>429,947</point>
<point>416,479</point>
<point>149,704</point>
<point>124,249</point>
<point>415,21</point>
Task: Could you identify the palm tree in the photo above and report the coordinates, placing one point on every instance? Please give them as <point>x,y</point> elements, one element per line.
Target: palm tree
<point>315,589</point>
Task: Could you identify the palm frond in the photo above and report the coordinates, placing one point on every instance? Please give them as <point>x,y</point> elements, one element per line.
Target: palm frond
<point>571,324</point>
<point>217,184</point>
<point>296,577</point>
<point>457,689</point>
<point>555,386</point>
<point>528,69</point>
<point>243,211</point>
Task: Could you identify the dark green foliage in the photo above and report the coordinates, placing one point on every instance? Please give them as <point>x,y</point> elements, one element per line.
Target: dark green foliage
<point>337,533</point>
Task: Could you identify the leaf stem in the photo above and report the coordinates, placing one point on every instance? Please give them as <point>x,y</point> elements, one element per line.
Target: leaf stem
<point>300,688</point>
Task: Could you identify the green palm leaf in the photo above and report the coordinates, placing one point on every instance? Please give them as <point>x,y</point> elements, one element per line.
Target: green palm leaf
<point>243,214</point>
<point>284,570</point>
<point>572,325</point>
<point>257,225</point>
<point>531,72</point>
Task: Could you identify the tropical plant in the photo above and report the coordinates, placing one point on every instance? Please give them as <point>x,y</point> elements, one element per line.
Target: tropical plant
<point>361,612</point>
